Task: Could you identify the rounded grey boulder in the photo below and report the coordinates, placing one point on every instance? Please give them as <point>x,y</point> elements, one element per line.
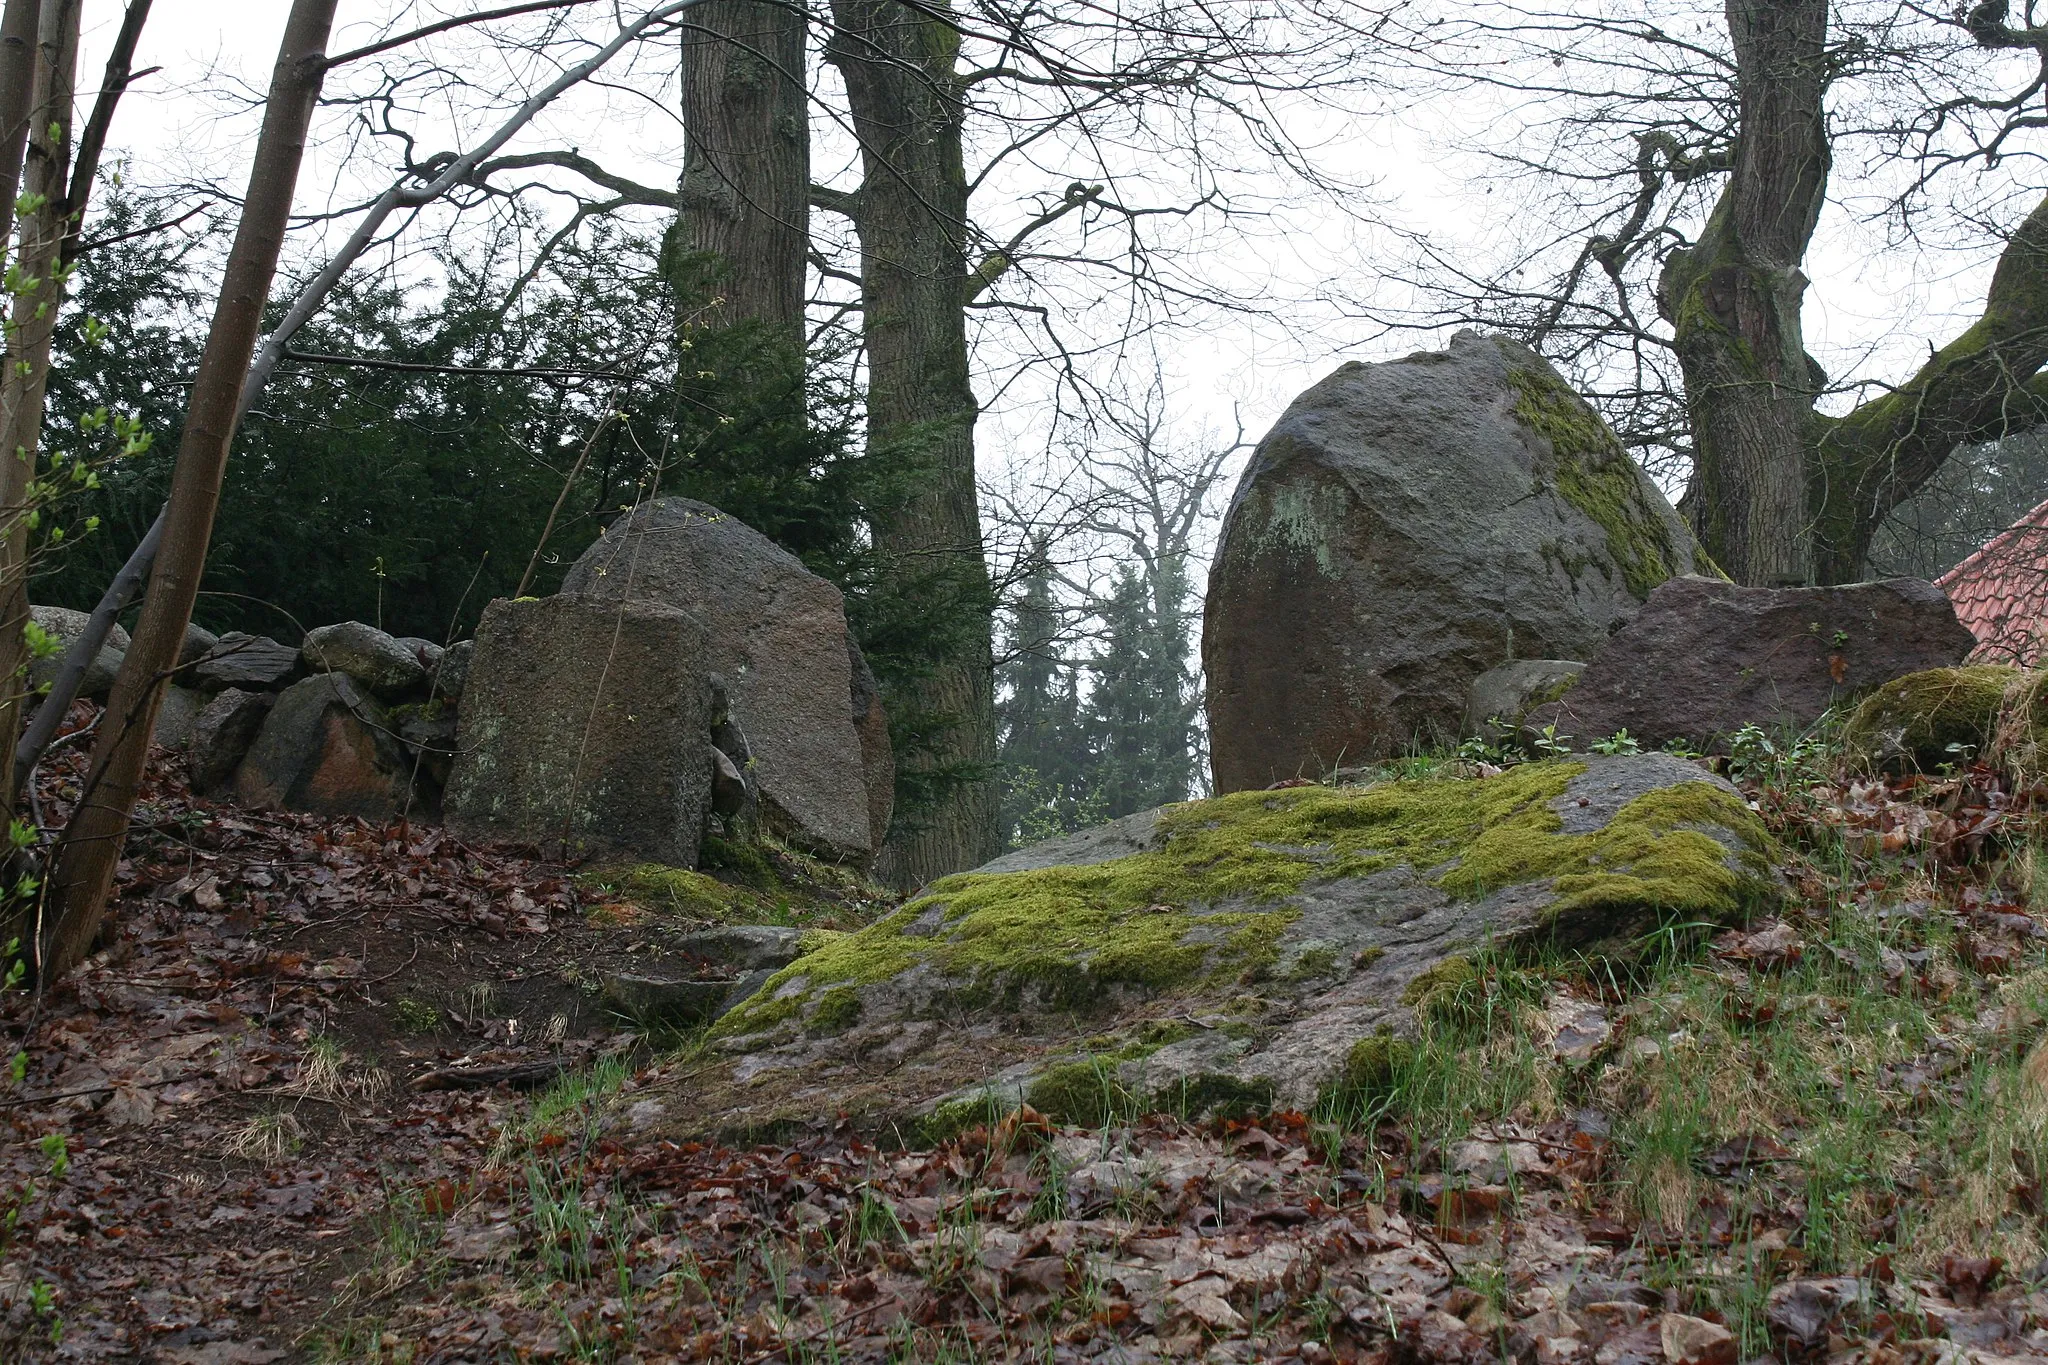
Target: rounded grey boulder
<point>1402,529</point>
<point>65,625</point>
<point>387,666</point>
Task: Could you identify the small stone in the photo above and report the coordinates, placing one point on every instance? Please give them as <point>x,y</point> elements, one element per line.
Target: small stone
<point>1506,693</point>
<point>583,722</point>
<point>426,651</point>
<point>1582,1030</point>
<point>776,633</point>
<point>389,668</point>
<point>728,786</point>
<point>670,1001</point>
<point>1705,657</point>
<point>199,642</point>
<point>1695,1341</point>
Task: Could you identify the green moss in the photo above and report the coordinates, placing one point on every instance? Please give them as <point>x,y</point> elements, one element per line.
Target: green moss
<point>1312,963</point>
<point>1430,992</point>
<point>691,895</point>
<point>743,862</point>
<point>814,939</point>
<point>1703,564</point>
<point>1208,905</point>
<point>1207,1094</point>
<point>1374,1064</point>
<point>1915,720</point>
<point>1594,474</point>
<point>838,1010</point>
<point>432,709</point>
<point>1085,1092</point>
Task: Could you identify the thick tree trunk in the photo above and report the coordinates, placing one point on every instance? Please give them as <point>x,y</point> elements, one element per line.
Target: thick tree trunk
<point>899,65</point>
<point>19,24</point>
<point>91,847</point>
<point>1734,300</point>
<point>29,332</point>
<point>744,221</point>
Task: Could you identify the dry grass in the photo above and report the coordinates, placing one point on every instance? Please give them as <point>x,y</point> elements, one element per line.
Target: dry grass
<point>265,1139</point>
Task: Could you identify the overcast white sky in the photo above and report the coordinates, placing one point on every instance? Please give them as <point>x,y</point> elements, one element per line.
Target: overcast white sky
<point>1863,314</point>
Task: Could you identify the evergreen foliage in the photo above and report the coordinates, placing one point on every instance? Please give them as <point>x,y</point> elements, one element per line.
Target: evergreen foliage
<point>1130,742</point>
<point>404,498</point>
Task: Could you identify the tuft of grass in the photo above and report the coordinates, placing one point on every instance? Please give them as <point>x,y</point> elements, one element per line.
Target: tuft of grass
<point>265,1138</point>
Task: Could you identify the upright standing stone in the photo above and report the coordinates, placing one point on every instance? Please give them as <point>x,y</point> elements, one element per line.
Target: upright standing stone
<point>776,633</point>
<point>1404,528</point>
<point>584,723</point>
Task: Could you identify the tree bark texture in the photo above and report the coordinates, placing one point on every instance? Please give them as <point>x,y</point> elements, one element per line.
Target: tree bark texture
<point>19,24</point>
<point>1734,297</point>
<point>30,327</point>
<point>899,65</point>
<point>86,858</point>
<point>745,196</point>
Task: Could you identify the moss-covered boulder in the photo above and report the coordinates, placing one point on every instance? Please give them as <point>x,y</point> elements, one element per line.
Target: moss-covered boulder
<point>1229,953</point>
<point>1404,528</point>
<point>1940,716</point>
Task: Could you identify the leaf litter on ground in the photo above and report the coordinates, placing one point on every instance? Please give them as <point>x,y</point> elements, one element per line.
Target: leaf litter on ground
<point>220,1150</point>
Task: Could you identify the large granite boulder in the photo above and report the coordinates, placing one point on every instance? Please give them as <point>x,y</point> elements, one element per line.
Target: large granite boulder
<point>1254,950</point>
<point>64,626</point>
<point>776,633</point>
<point>1403,528</point>
<point>390,668</point>
<point>1705,658</point>
<point>326,746</point>
<point>220,737</point>
<point>584,723</point>
<point>176,713</point>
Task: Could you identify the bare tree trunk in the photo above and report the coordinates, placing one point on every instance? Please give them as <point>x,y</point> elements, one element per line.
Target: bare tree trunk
<point>19,24</point>
<point>745,198</point>
<point>1734,298</point>
<point>29,333</point>
<point>84,874</point>
<point>899,64</point>
<point>93,141</point>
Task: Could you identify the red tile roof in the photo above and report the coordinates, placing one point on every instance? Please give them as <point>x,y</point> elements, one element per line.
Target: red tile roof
<point>2001,593</point>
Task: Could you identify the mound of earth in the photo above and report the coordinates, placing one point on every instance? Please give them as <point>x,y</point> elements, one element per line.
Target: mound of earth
<point>1260,949</point>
